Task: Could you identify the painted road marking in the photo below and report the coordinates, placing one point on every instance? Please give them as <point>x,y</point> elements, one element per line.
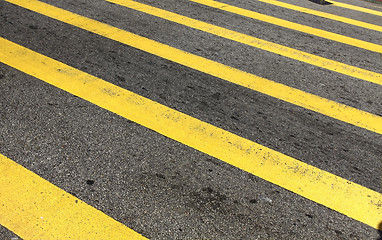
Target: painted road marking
<point>356,8</point>
<point>255,42</point>
<point>339,194</point>
<point>33,208</point>
<point>295,96</point>
<point>325,15</point>
<point>291,25</point>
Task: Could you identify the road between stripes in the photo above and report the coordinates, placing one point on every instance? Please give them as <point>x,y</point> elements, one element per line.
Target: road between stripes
<point>33,208</point>
<point>295,96</point>
<point>291,25</point>
<point>325,15</point>
<point>339,194</point>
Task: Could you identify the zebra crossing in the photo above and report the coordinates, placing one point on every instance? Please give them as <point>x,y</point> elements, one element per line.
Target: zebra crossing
<point>345,196</point>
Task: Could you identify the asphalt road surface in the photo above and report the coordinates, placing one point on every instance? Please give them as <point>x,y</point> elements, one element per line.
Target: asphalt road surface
<point>191,131</point>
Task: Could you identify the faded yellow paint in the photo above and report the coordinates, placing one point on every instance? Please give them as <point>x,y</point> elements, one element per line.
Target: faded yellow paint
<point>33,208</point>
<point>356,8</point>
<point>339,194</point>
<point>255,42</point>
<point>325,15</point>
<point>295,96</point>
<point>291,25</point>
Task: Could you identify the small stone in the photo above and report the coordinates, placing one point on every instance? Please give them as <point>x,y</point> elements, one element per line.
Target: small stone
<point>266,199</point>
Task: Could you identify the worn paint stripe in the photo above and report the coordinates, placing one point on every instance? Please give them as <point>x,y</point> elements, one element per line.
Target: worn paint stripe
<point>300,98</point>
<point>34,208</point>
<point>339,194</point>
<point>324,15</point>
<point>255,42</point>
<point>291,25</point>
<point>356,8</point>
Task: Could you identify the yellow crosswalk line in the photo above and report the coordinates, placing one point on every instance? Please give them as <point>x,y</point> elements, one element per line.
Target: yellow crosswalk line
<point>295,96</point>
<point>325,15</point>
<point>356,8</point>
<point>291,25</point>
<point>255,42</point>
<point>339,194</point>
<point>33,208</point>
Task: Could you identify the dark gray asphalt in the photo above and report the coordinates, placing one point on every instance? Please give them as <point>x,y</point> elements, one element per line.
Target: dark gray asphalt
<point>159,187</point>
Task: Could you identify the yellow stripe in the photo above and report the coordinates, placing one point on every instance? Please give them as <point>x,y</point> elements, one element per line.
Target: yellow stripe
<point>317,185</point>
<point>300,98</point>
<point>291,25</point>
<point>33,208</point>
<point>352,7</point>
<point>255,42</point>
<point>325,15</point>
